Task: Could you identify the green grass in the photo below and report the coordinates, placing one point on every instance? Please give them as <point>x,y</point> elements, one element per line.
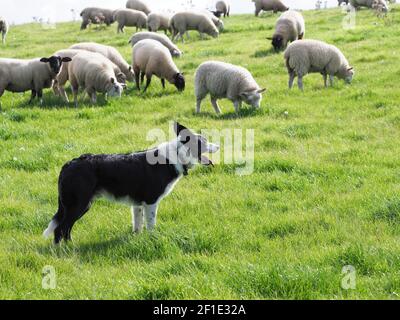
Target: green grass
<point>324,193</point>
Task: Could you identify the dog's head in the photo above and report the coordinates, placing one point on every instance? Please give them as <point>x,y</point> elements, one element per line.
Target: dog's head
<point>192,147</point>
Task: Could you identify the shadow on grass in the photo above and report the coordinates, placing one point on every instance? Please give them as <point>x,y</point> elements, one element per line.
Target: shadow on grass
<point>265,53</point>
<point>243,113</point>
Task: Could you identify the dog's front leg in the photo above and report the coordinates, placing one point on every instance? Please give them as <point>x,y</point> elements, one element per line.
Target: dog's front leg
<point>150,212</point>
<point>137,219</point>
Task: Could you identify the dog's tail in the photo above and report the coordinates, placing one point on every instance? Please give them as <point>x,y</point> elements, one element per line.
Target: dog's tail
<point>55,222</point>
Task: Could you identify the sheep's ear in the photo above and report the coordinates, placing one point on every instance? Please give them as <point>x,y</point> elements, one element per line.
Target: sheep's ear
<point>179,128</point>
<point>130,68</point>
<point>66,59</point>
<point>112,80</point>
<point>261,90</point>
<point>45,60</point>
<point>349,69</point>
<point>269,38</point>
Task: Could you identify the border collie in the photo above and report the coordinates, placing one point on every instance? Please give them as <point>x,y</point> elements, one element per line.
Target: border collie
<point>140,179</point>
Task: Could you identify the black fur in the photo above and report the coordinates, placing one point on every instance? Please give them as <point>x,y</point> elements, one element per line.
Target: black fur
<point>179,81</point>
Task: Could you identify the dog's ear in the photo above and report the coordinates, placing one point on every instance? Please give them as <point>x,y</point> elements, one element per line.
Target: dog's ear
<point>178,128</point>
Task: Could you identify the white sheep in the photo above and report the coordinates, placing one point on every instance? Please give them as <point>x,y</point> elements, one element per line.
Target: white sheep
<point>289,27</point>
<point>313,56</point>
<point>96,16</point>
<point>150,58</point>
<point>95,73</point>
<point>138,5</point>
<point>158,21</point>
<point>182,22</point>
<point>130,18</point>
<point>3,29</point>
<point>18,75</point>
<point>224,80</point>
<point>223,7</point>
<point>175,52</point>
<point>373,4</point>
<point>63,76</point>
<point>109,52</point>
<point>269,5</point>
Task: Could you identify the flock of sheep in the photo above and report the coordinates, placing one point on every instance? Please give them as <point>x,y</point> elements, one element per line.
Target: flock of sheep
<point>99,68</point>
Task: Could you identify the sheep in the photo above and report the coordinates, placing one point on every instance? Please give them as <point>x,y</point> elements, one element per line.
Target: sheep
<point>310,56</point>
<point>18,75</point>
<point>224,80</point>
<point>150,58</point>
<point>63,76</point>
<point>373,4</point>
<point>3,29</point>
<point>289,27</point>
<point>95,73</point>
<point>174,50</point>
<point>343,1</point>
<point>109,52</point>
<point>130,18</point>
<point>269,5</point>
<point>138,5</point>
<point>182,22</point>
<point>158,21</point>
<point>96,16</point>
<point>223,7</point>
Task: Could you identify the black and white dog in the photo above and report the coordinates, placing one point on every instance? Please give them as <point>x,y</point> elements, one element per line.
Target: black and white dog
<point>140,179</point>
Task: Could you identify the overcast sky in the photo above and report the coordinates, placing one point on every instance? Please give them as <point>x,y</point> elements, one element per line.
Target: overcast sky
<point>21,11</point>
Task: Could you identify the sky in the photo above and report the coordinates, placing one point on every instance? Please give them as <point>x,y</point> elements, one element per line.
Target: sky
<point>22,11</point>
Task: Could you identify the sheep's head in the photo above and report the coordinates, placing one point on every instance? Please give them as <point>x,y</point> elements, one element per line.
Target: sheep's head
<point>115,88</point>
<point>214,33</point>
<point>220,25</point>
<point>253,97</point>
<point>176,53</point>
<point>179,81</point>
<point>380,6</point>
<point>348,74</point>
<point>55,63</point>
<point>278,42</point>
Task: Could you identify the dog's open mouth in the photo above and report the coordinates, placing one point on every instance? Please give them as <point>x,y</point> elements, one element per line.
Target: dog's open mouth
<point>205,161</point>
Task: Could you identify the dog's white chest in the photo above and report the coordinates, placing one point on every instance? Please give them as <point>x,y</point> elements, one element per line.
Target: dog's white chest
<point>168,189</point>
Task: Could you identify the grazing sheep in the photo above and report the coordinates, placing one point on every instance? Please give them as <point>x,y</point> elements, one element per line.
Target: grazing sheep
<point>224,80</point>
<point>158,21</point>
<point>150,58</point>
<point>373,4</point>
<point>289,27</point>
<point>3,29</point>
<point>95,73</point>
<point>342,1</point>
<point>109,52</point>
<point>63,76</point>
<point>310,56</point>
<point>223,7</point>
<point>96,16</point>
<point>138,5</point>
<point>182,22</point>
<point>130,18</point>
<point>269,5</point>
<point>18,75</point>
<point>175,52</point>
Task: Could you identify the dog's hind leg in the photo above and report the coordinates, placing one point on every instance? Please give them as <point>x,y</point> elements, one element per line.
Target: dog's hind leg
<point>150,212</point>
<point>137,219</point>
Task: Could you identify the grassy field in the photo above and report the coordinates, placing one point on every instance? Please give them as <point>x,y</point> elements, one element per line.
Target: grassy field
<point>324,193</point>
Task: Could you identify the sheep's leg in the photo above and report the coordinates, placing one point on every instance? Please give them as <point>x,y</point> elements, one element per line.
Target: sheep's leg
<point>40,96</point>
<point>33,96</point>
<point>147,82</point>
<point>292,75</point>
<point>237,104</point>
<point>187,35</point>
<point>300,82</point>
<point>214,103</point>
<point>331,79</point>
<point>137,78</point>
<point>325,79</point>
<point>198,104</point>
<point>63,94</point>
<point>201,36</point>
<point>75,91</point>
<point>163,83</point>
<point>92,94</point>
<point>142,78</point>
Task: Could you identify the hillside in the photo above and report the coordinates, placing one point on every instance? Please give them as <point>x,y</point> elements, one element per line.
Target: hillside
<point>324,194</point>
